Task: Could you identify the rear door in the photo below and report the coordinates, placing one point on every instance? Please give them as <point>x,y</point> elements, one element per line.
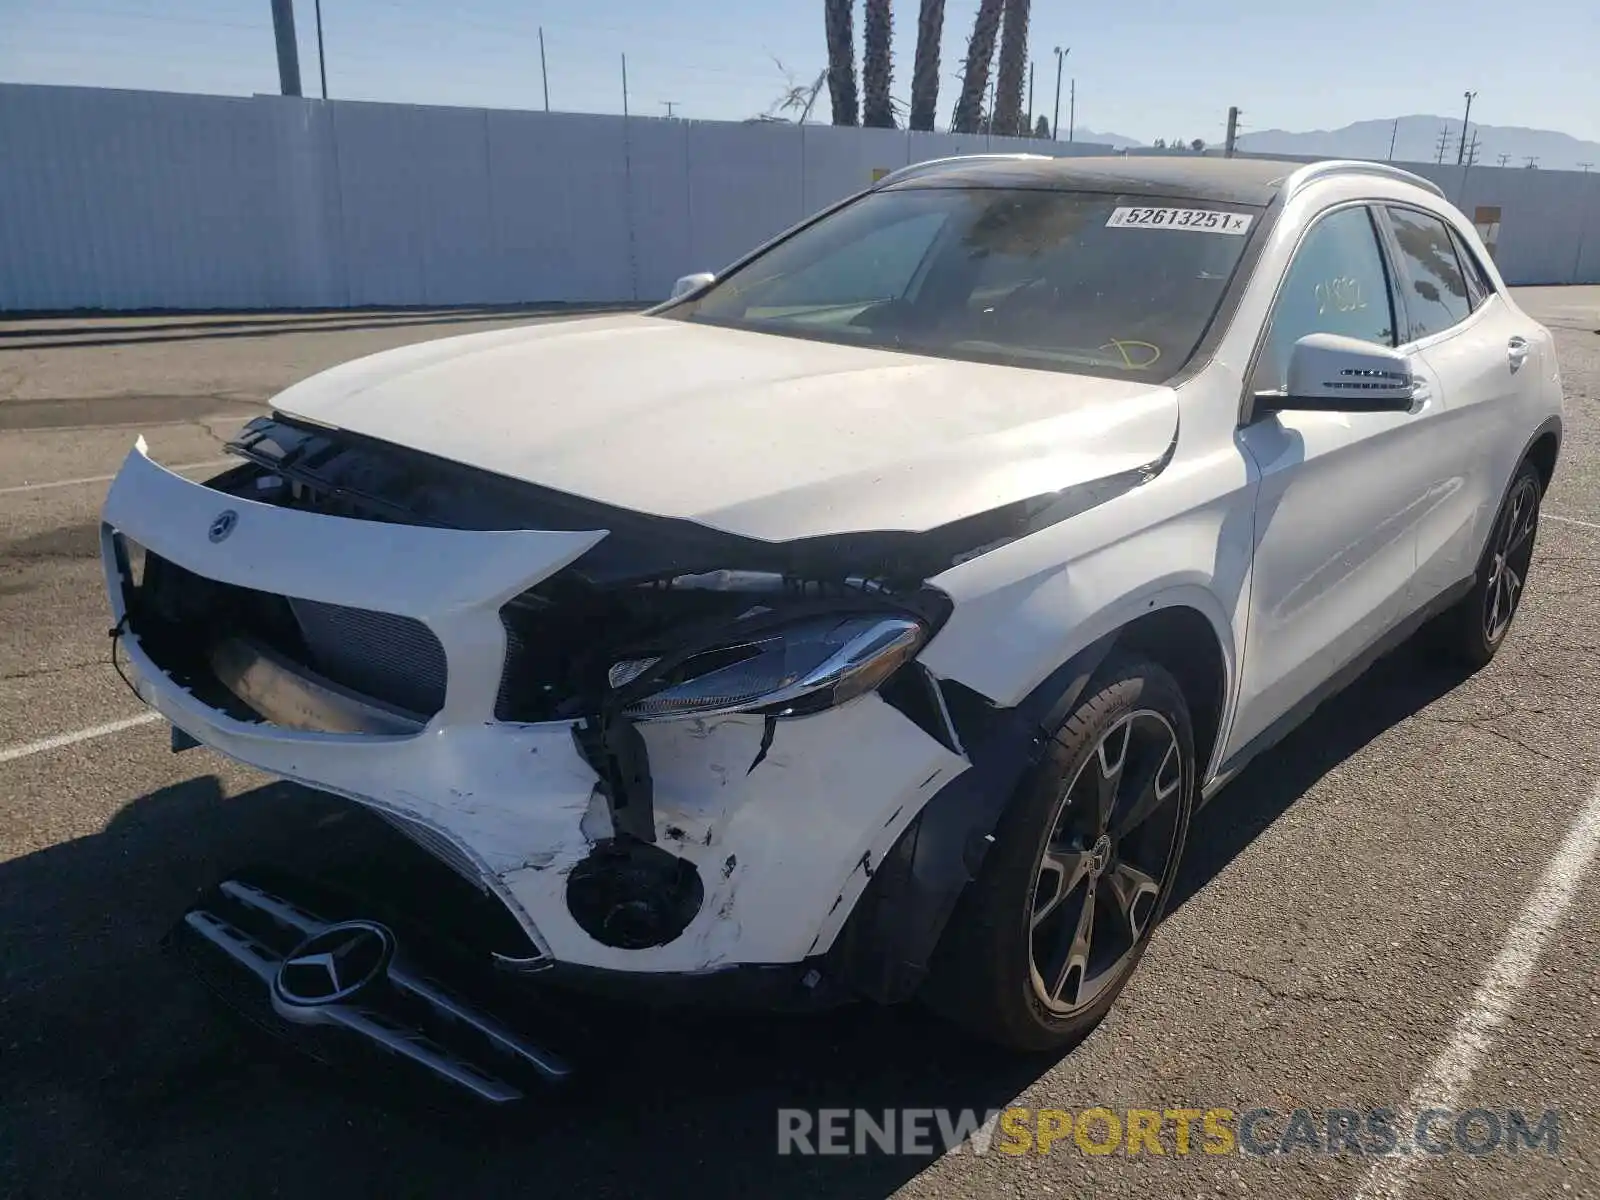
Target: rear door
<point>1483,351</point>
<point>1342,494</point>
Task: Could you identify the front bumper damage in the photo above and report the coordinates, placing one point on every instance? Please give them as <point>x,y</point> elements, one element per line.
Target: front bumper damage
<point>781,828</point>
<point>740,858</point>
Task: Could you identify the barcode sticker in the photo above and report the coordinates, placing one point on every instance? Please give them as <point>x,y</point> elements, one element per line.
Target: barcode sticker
<point>1205,220</point>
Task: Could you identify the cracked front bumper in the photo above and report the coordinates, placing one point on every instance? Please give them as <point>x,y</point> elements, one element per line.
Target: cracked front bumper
<point>783,846</point>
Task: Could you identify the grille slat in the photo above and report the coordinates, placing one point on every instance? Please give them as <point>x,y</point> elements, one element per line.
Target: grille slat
<point>391,658</point>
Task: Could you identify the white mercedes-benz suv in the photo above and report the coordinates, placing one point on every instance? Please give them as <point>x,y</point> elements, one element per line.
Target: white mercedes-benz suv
<point>870,620</point>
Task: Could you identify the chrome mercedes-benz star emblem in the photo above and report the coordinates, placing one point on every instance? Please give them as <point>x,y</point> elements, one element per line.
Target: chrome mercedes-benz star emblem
<point>223,525</point>
<point>1100,855</point>
<point>335,964</point>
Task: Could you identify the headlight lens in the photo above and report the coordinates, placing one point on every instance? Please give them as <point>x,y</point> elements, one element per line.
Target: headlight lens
<point>805,667</point>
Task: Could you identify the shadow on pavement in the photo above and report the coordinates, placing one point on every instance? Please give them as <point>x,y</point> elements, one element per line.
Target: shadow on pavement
<point>119,1075</point>
<point>1394,688</point>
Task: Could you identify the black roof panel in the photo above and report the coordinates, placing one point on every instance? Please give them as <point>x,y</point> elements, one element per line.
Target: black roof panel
<point>1252,181</point>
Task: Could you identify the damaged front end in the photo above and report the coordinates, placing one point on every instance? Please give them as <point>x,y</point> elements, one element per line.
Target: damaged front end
<point>660,622</point>
<point>671,753</point>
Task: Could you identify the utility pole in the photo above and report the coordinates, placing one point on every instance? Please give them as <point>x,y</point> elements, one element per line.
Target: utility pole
<point>322,60</point>
<point>1393,133</point>
<point>1533,162</point>
<point>670,105</point>
<point>1472,150</point>
<point>1461,147</point>
<point>1072,108</point>
<point>1444,140</point>
<point>624,87</point>
<point>1055,122</point>
<point>288,48</point>
<point>544,75</point>
<point>1504,159</point>
<point>1233,132</point>
<point>1587,167</point>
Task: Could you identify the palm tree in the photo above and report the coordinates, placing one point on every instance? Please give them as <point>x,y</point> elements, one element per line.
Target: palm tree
<point>838,19</point>
<point>975,80</point>
<point>1013,60</point>
<point>925,75</point>
<point>876,110</point>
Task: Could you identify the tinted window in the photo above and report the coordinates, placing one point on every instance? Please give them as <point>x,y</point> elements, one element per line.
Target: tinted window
<point>1336,284</point>
<point>1038,278</point>
<point>1478,287</point>
<point>1434,288</point>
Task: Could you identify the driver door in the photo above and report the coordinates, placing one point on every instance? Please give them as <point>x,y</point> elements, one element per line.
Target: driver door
<point>1342,495</point>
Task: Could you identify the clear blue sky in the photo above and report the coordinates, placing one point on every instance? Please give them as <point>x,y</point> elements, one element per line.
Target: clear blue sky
<point>1144,69</point>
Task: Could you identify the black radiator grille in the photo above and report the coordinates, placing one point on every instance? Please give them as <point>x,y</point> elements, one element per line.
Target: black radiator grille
<point>390,658</point>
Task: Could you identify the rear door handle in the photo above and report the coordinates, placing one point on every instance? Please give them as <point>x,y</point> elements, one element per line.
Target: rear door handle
<point>1517,351</point>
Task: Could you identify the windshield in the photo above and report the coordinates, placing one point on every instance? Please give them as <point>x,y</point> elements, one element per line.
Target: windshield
<point>1081,281</point>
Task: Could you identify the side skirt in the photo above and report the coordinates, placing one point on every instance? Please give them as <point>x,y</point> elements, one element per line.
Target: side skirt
<point>1334,684</point>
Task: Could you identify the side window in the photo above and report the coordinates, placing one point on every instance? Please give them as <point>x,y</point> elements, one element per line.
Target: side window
<point>1337,283</point>
<point>1479,288</point>
<point>1434,287</point>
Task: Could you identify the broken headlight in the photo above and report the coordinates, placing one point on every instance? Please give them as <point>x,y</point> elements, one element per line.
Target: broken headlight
<point>794,669</point>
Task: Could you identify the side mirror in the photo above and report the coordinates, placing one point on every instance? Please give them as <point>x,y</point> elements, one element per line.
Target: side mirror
<point>1332,373</point>
<point>692,283</point>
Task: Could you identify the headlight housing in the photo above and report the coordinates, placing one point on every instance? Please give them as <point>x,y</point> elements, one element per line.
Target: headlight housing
<point>809,665</point>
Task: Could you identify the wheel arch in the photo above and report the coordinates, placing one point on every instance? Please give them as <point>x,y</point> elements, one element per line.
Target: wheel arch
<point>1183,640</point>
<point>1543,450</point>
<point>888,941</point>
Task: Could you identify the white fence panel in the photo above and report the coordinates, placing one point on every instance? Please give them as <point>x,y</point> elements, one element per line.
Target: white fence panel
<point>127,200</point>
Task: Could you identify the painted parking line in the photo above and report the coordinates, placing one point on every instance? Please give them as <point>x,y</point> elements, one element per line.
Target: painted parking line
<point>1506,979</point>
<point>61,483</point>
<point>1570,521</point>
<point>27,749</point>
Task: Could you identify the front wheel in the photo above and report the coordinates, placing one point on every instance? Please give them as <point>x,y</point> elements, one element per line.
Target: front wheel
<point>1082,866</point>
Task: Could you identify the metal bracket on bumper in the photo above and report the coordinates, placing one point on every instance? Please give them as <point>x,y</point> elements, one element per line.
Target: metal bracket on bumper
<point>357,976</point>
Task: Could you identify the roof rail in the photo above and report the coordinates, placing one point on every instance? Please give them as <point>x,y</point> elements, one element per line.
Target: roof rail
<point>1312,172</point>
<point>930,165</point>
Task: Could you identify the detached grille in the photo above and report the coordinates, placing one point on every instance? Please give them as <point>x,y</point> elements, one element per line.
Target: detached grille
<point>390,658</point>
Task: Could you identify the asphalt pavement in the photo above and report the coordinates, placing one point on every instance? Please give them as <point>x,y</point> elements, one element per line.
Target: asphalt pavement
<point>1385,912</point>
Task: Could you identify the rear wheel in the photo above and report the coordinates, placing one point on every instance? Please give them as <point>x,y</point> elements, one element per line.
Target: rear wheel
<point>1475,628</point>
<point>1082,865</point>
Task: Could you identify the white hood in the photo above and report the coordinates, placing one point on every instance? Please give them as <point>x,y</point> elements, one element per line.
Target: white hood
<point>754,434</point>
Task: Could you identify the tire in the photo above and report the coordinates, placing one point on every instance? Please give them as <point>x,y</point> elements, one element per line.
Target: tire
<point>1017,923</point>
<point>1474,629</point>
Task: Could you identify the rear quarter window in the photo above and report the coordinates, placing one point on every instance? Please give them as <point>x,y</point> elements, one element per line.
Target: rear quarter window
<point>1432,282</point>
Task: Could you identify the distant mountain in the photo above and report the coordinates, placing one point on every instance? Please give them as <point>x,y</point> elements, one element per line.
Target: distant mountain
<point>1115,140</point>
<point>1417,140</point>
